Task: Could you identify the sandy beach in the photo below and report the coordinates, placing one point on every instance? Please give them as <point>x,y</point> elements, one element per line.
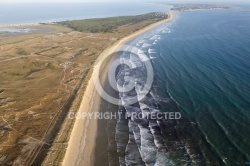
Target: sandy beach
<point>82,141</point>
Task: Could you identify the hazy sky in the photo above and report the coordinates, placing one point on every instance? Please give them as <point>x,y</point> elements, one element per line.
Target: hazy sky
<point>170,1</point>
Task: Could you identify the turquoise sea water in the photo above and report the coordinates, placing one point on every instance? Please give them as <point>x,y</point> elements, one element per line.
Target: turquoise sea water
<point>201,62</point>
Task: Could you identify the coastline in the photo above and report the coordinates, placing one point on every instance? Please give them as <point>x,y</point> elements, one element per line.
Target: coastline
<point>83,136</point>
<point>19,25</point>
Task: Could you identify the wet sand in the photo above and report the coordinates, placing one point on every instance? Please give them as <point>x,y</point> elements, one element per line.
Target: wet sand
<point>82,143</point>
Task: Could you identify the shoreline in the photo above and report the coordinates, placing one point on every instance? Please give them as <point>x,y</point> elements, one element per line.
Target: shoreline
<point>20,25</point>
<point>81,145</point>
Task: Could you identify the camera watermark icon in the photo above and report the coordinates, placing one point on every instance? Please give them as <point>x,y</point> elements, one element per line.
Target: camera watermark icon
<point>129,83</point>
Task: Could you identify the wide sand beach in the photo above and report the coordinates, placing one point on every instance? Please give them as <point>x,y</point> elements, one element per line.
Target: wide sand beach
<point>82,142</point>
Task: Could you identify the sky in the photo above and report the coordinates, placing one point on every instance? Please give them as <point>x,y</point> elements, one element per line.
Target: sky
<point>170,1</point>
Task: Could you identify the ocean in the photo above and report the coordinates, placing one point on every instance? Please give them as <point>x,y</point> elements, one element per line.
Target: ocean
<point>22,13</point>
<point>201,62</point>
